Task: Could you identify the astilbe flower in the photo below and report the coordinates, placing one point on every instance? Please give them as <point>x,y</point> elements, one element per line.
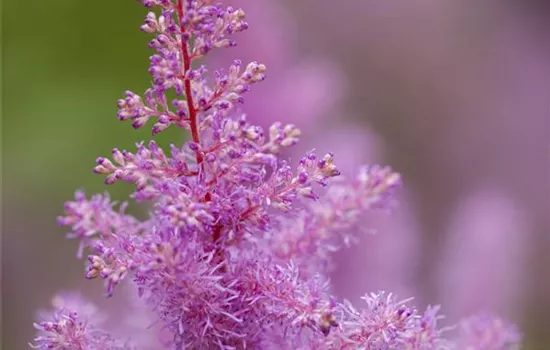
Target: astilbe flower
<point>74,325</point>
<point>234,251</point>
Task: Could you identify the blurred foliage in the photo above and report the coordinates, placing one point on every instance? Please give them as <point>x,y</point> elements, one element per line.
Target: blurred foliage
<point>65,65</point>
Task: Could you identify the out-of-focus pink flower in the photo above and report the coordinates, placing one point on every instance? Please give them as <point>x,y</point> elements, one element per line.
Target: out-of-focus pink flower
<point>302,90</point>
<point>387,260</point>
<point>353,144</point>
<point>483,258</point>
<point>462,89</point>
<point>484,332</point>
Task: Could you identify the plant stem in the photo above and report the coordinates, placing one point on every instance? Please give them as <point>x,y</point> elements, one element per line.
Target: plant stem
<point>187,83</point>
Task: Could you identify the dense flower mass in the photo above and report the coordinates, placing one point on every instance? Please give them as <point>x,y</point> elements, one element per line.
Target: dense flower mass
<point>235,251</point>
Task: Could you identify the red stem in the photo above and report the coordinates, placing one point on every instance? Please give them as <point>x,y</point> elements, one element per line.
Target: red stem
<point>187,83</point>
<point>193,120</point>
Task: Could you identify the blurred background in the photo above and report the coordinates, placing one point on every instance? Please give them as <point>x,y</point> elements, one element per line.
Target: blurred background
<point>453,94</point>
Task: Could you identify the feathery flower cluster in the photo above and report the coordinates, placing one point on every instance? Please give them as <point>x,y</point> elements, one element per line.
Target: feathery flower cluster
<point>234,252</point>
<point>73,325</point>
